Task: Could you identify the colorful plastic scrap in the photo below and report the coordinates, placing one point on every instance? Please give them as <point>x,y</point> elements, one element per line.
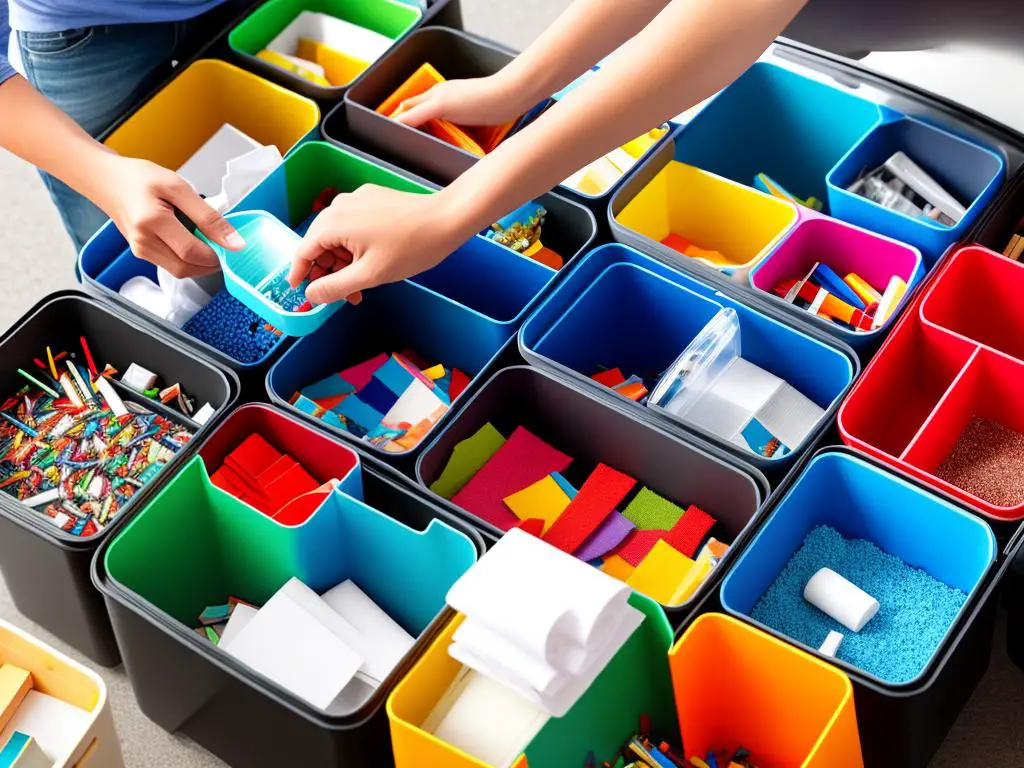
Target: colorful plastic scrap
<point>390,401</point>
<point>851,301</point>
<point>521,231</point>
<point>80,456</point>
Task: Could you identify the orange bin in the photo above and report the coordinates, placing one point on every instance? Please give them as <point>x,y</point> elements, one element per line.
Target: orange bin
<point>724,685</point>
<point>736,686</point>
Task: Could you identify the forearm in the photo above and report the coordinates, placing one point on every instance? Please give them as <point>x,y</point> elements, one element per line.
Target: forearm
<point>692,49</point>
<point>586,32</point>
<point>35,130</point>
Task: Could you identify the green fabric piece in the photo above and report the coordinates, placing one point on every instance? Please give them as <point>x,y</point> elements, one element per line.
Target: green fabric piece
<point>467,459</point>
<point>650,512</point>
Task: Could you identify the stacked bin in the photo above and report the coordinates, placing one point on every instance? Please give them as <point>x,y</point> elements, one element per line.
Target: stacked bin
<point>818,139</point>
<point>46,569</point>
<point>168,130</point>
<point>461,313</point>
<point>403,551</point>
<point>902,722</point>
<point>811,725</point>
<point>955,355</point>
<point>573,333</point>
<point>585,428</point>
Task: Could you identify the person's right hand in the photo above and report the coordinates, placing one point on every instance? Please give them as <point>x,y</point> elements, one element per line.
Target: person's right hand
<point>141,198</point>
<point>492,100</point>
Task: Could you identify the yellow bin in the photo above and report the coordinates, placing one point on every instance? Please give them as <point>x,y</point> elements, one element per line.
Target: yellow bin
<point>92,741</point>
<point>176,122</point>
<point>731,226</point>
<point>737,686</point>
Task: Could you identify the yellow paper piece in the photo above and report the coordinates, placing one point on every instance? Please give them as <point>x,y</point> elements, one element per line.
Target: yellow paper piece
<point>617,568</point>
<point>545,499</point>
<point>662,573</point>
<point>697,576</point>
<point>340,68</point>
<point>293,66</point>
<point>436,372</point>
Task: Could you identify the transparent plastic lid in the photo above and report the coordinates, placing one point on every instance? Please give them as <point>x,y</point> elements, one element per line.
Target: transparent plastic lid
<point>694,372</point>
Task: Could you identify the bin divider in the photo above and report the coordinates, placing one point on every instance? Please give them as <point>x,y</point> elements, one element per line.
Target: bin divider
<point>964,372</point>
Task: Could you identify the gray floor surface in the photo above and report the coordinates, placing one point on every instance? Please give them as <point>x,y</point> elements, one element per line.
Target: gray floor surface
<point>38,259</point>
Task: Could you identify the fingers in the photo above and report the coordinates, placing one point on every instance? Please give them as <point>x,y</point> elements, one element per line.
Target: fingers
<point>347,283</point>
<point>149,247</point>
<point>420,109</point>
<point>206,219</point>
<point>186,246</point>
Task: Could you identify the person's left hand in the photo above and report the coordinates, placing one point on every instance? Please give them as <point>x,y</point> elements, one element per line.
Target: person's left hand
<point>374,236</point>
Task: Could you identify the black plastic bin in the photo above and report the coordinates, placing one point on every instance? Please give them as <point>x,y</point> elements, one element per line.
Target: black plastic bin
<point>685,471</point>
<point>46,569</point>
<point>187,686</point>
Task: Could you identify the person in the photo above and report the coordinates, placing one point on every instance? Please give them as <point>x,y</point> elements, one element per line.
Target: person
<point>673,54</point>
<point>86,62</point>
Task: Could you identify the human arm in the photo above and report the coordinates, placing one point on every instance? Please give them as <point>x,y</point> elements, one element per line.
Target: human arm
<point>691,50</point>
<point>139,196</point>
<point>586,32</point>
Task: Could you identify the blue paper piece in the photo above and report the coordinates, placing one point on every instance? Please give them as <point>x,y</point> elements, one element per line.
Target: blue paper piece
<point>394,376</point>
<point>359,414</point>
<point>332,419</point>
<point>378,396</point>
<point>332,386</point>
<point>306,405</point>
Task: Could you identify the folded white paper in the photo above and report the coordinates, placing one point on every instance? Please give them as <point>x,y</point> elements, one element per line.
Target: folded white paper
<point>539,621</point>
<point>343,36</point>
<point>286,643</point>
<point>485,719</point>
<point>386,640</point>
<point>541,599</point>
<point>57,726</point>
<point>206,168</point>
<point>239,620</point>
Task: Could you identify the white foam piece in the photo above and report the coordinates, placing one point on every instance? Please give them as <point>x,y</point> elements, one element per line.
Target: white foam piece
<point>841,599</point>
<point>343,36</point>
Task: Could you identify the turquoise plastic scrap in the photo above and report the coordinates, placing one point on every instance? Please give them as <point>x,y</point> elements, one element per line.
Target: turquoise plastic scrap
<point>255,275</point>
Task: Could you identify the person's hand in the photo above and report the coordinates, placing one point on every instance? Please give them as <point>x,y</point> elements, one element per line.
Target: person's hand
<point>141,198</point>
<point>493,100</point>
<point>371,237</point>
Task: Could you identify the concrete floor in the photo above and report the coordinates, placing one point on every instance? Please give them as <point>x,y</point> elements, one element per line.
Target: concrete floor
<point>39,260</point>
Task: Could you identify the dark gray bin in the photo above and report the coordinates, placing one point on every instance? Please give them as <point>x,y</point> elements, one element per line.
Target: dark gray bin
<point>46,569</point>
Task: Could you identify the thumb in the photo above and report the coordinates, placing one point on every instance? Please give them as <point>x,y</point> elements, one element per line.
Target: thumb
<point>347,281</point>
<point>206,219</point>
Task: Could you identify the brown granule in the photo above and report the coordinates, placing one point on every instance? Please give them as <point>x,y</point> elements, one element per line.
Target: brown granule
<point>987,461</point>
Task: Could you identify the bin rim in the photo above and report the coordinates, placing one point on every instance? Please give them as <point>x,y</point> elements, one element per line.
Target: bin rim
<point>964,618</point>
<point>747,472</point>
<point>32,521</point>
<point>114,591</point>
<point>679,428</point>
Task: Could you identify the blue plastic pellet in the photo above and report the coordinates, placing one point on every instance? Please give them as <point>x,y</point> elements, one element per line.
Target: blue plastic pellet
<point>916,609</point>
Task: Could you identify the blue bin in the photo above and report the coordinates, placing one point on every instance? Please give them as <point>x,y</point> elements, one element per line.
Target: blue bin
<point>775,121</point>
<point>970,172</point>
<point>460,313</point>
<point>620,308</point>
<point>863,501</point>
